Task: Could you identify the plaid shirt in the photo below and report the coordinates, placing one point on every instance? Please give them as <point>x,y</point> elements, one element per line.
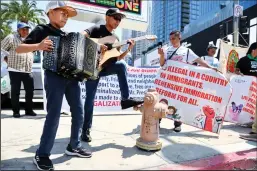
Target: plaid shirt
<point>19,61</point>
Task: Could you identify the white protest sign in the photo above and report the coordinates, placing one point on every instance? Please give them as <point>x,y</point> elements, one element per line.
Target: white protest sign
<point>229,56</point>
<point>242,105</point>
<point>199,96</point>
<point>108,93</point>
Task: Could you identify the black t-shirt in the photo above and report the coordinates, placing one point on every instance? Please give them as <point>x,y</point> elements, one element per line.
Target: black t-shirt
<point>99,31</point>
<point>40,32</point>
<point>247,66</point>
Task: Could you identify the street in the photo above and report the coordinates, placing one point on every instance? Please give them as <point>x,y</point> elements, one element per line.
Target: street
<point>114,138</point>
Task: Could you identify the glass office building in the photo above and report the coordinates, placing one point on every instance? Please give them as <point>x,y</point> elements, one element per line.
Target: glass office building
<point>172,15</point>
<point>247,3</point>
<point>213,12</point>
<point>175,15</point>
<point>207,6</point>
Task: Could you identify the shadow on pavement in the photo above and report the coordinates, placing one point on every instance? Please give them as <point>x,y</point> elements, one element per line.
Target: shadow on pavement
<point>237,128</point>
<point>165,131</point>
<point>59,148</point>
<point>126,153</point>
<point>18,164</point>
<point>134,131</point>
<point>183,152</point>
<point>27,162</point>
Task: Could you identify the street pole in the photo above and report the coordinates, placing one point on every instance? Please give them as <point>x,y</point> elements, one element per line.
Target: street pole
<point>236,26</point>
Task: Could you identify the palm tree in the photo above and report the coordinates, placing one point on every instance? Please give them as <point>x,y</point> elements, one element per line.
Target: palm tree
<point>5,24</point>
<point>25,12</point>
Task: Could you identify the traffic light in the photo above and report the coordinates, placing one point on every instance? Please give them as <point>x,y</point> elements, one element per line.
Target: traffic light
<point>243,24</point>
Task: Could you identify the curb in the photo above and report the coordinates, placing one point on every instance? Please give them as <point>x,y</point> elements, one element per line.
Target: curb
<point>237,160</point>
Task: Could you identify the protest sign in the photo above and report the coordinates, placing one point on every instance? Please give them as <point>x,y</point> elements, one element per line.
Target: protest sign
<point>108,93</point>
<point>229,56</point>
<point>196,96</point>
<point>242,105</point>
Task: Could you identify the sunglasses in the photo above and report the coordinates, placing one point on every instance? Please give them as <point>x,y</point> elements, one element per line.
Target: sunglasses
<point>117,18</point>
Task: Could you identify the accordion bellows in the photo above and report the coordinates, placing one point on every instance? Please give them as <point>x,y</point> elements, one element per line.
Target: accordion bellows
<point>73,56</point>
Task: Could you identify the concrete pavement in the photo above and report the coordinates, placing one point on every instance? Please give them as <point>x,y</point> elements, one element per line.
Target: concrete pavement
<point>114,138</point>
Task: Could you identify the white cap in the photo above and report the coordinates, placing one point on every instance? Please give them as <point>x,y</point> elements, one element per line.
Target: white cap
<point>61,5</point>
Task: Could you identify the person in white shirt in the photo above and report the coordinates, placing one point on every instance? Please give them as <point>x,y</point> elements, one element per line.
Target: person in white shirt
<point>210,59</point>
<point>182,54</point>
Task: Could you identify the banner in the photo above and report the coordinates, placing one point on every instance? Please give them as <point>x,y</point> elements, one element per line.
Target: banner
<point>242,105</point>
<point>196,96</point>
<point>92,11</point>
<point>108,94</point>
<point>229,56</point>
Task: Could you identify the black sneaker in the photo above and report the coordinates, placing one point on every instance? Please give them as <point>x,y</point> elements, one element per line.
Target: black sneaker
<point>43,163</point>
<point>130,103</point>
<point>80,152</point>
<point>177,126</point>
<point>32,113</point>
<point>177,129</point>
<point>16,115</point>
<point>85,136</point>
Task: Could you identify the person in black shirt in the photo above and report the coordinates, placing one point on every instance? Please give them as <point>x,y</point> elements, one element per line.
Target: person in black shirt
<point>56,86</point>
<point>113,19</point>
<point>248,66</point>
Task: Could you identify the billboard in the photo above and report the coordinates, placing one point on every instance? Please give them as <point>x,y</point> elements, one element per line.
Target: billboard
<point>127,6</point>
<point>93,11</point>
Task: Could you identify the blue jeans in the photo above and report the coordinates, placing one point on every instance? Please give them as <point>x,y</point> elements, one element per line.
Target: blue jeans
<point>56,86</point>
<point>118,68</point>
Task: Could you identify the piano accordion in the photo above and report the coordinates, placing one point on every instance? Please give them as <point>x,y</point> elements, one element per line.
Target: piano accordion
<point>73,56</point>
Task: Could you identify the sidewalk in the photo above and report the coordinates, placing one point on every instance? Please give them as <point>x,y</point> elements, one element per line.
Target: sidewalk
<point>114,138</point>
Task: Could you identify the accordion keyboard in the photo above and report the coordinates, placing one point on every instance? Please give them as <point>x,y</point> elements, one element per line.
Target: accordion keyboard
<point>50,58</point>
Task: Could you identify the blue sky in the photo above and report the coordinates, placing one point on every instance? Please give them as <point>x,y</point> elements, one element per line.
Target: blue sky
<point>72,25</point>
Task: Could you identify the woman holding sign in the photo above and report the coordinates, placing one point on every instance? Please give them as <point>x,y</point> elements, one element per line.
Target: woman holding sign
<point>182,54</point>
<point>248,66</point>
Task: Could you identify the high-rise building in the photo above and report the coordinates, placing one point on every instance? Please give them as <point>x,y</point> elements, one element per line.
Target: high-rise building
<point>172,15</point>
<point>207,6</point>
<point>194,10</point>
<point>247,3</point>
<point>126,34</point>
<point>142,45</point>
<point>175,15</point>
<point>211,13</point>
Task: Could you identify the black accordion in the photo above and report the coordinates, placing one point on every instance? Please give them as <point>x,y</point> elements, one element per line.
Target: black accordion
<point>73,56</point>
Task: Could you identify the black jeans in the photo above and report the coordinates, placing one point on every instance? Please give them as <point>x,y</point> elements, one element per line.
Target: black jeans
<point>16,78</point>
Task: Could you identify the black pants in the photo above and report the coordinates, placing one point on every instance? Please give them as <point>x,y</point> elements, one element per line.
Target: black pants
<point>176,123</point>
<point>16,78</point>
